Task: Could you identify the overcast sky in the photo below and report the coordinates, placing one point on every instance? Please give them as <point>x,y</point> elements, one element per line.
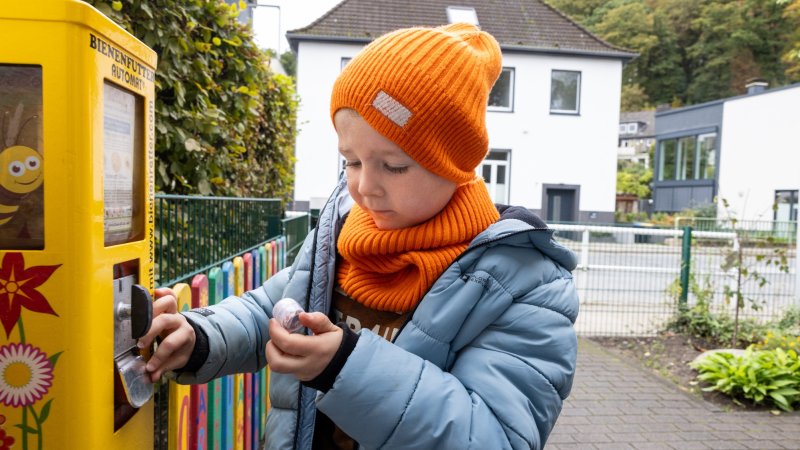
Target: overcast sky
<point>293,14</point>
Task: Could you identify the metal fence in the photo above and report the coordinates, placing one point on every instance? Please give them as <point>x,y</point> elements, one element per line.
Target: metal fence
<point>779,232</point>
<point>295,228</point>
<point>629,279</point>
<point>195,233</point>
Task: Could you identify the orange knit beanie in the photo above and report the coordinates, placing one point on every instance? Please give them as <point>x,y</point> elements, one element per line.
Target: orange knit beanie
<point>426,89</point>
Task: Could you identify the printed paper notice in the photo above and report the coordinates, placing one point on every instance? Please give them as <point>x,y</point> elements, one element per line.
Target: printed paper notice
<point>119,115</point>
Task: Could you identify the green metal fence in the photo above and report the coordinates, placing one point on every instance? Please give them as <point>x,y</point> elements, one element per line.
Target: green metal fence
<point>195,233</point>
<point>631,280</point>
<point>759,262</point>
<point>767,231</point>
<point>295,229</point>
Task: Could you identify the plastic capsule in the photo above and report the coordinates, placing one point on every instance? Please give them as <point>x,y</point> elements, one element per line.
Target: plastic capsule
<point>287,312</point>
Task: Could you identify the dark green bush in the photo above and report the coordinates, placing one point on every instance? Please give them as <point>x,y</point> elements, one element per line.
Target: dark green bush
<point>225,123</point>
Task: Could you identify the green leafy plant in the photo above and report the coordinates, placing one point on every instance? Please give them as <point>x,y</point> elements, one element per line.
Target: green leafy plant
<point>784,334</point>
<point>771,376</point>
<point>716,328</point>
<point>742,272</point>
<point>225,123</point>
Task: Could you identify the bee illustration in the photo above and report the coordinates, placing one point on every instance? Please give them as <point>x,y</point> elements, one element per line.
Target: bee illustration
<point>20,166</point>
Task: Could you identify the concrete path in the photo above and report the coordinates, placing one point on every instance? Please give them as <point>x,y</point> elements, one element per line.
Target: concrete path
<point>616,404</point>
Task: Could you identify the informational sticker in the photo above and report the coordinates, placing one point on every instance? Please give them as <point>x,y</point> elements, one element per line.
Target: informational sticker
<point>21,158</point>
<point>121,161</point>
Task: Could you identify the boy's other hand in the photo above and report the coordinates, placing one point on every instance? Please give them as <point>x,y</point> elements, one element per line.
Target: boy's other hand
<point>303,356</point>
<point>177,336</point>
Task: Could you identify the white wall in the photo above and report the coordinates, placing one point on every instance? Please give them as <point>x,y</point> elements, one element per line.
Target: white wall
<point>545,148</point>
<point>316,169</point>
<point>561,149</point>
<point>760,151</point>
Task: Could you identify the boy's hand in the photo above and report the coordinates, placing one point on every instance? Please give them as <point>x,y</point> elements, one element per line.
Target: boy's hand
<point>303,356</point>
<point>177,336</point>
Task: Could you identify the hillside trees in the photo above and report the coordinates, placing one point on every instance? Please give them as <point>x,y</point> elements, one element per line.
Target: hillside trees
<point>693,51</point>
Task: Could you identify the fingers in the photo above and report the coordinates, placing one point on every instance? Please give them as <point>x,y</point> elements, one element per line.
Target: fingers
<point>160,324</point>
<point>165,305</point>
<point>162,291</point>
<point>281,337</point>
<point>175,349</point>
<point>317,322</point>
<point>280,361</point>
<point>303,356</point>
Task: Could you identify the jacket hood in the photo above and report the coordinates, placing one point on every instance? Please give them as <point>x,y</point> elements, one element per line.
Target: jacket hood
<point>518,225</point>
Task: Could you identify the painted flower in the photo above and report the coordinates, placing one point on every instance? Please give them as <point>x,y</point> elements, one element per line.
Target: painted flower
<point>18,289</point>
<point>6,441</point>
<point>25,374</point>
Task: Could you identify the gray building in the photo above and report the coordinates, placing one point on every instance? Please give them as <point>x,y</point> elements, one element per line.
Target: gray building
<point>637,135</point>
<point>687,156</point>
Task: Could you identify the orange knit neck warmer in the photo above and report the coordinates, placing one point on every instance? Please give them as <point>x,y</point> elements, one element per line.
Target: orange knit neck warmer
<point>390,270</point>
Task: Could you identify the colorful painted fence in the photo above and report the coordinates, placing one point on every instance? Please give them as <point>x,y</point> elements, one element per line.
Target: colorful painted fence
<point>228,413</point>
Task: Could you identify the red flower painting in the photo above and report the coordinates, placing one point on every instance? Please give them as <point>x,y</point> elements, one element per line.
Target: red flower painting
<point>6,441</point>
<point>18,289</point>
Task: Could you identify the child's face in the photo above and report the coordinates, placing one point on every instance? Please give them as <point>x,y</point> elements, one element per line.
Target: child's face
<point>385,182</point>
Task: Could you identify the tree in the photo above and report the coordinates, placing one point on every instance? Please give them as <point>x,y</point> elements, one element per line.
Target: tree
<point>634,179</point>
<point>225,125</point>
<point>634,98</point>
<point>693,51</point>
<point>790,55</point>
<point>289,63</point>
<point>742,272</point>
<point>578,10</point>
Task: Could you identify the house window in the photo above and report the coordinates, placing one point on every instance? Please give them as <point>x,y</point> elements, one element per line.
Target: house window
<point>565,92</point>
<point>707,156</point>
<point>495,172</point>
<point>688,158</point>
<point>685,158</point>
<point>623,128</point>
<point>785,205</point>
<point>502,96</point>
<point>344,63</point>
<point>667,159</point>
<point>632,128</point>
<point>462,14</point>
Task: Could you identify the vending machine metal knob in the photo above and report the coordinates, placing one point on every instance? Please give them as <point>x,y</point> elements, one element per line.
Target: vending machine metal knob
<point>141,311</point>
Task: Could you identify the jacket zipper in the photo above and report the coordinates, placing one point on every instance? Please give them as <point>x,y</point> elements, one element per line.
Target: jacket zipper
<point>308,298</point>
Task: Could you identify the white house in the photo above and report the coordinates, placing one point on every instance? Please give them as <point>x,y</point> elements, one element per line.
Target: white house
<point>760,154</point>
<point>553,114</point>
<point>742,149</point>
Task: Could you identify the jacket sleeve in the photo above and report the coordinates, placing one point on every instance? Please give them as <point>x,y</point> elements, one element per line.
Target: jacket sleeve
<point>504,388</point>
<point>237,329</point>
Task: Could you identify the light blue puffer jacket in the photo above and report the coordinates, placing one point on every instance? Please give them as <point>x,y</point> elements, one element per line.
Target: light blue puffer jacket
<point>484,363</point>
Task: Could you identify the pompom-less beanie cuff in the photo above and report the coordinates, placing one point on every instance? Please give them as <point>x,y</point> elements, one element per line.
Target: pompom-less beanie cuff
<point>426,89</point>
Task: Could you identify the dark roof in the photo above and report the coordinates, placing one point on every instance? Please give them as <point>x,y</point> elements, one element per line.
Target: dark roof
<point>647,118</point>
<point>525,25</point>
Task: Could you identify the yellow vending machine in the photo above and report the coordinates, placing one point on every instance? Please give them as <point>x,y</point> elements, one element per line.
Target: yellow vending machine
<point>76,228</point>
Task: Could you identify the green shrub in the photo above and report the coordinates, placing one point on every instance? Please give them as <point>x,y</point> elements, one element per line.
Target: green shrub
<point>717,328</point>
<point>771,376</point>
<point>778,339</point>
<point>225,124</point>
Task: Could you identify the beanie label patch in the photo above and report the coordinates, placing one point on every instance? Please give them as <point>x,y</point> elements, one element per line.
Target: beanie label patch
<point>391,108</point>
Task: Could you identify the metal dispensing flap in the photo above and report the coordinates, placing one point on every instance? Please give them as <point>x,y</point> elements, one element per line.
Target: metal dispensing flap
<point>128,362</point>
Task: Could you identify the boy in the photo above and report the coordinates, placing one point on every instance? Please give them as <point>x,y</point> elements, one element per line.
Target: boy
<point>455,317</point>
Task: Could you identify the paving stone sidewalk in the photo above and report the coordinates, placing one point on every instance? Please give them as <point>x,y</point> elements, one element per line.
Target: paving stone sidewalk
<point>616,404</point>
